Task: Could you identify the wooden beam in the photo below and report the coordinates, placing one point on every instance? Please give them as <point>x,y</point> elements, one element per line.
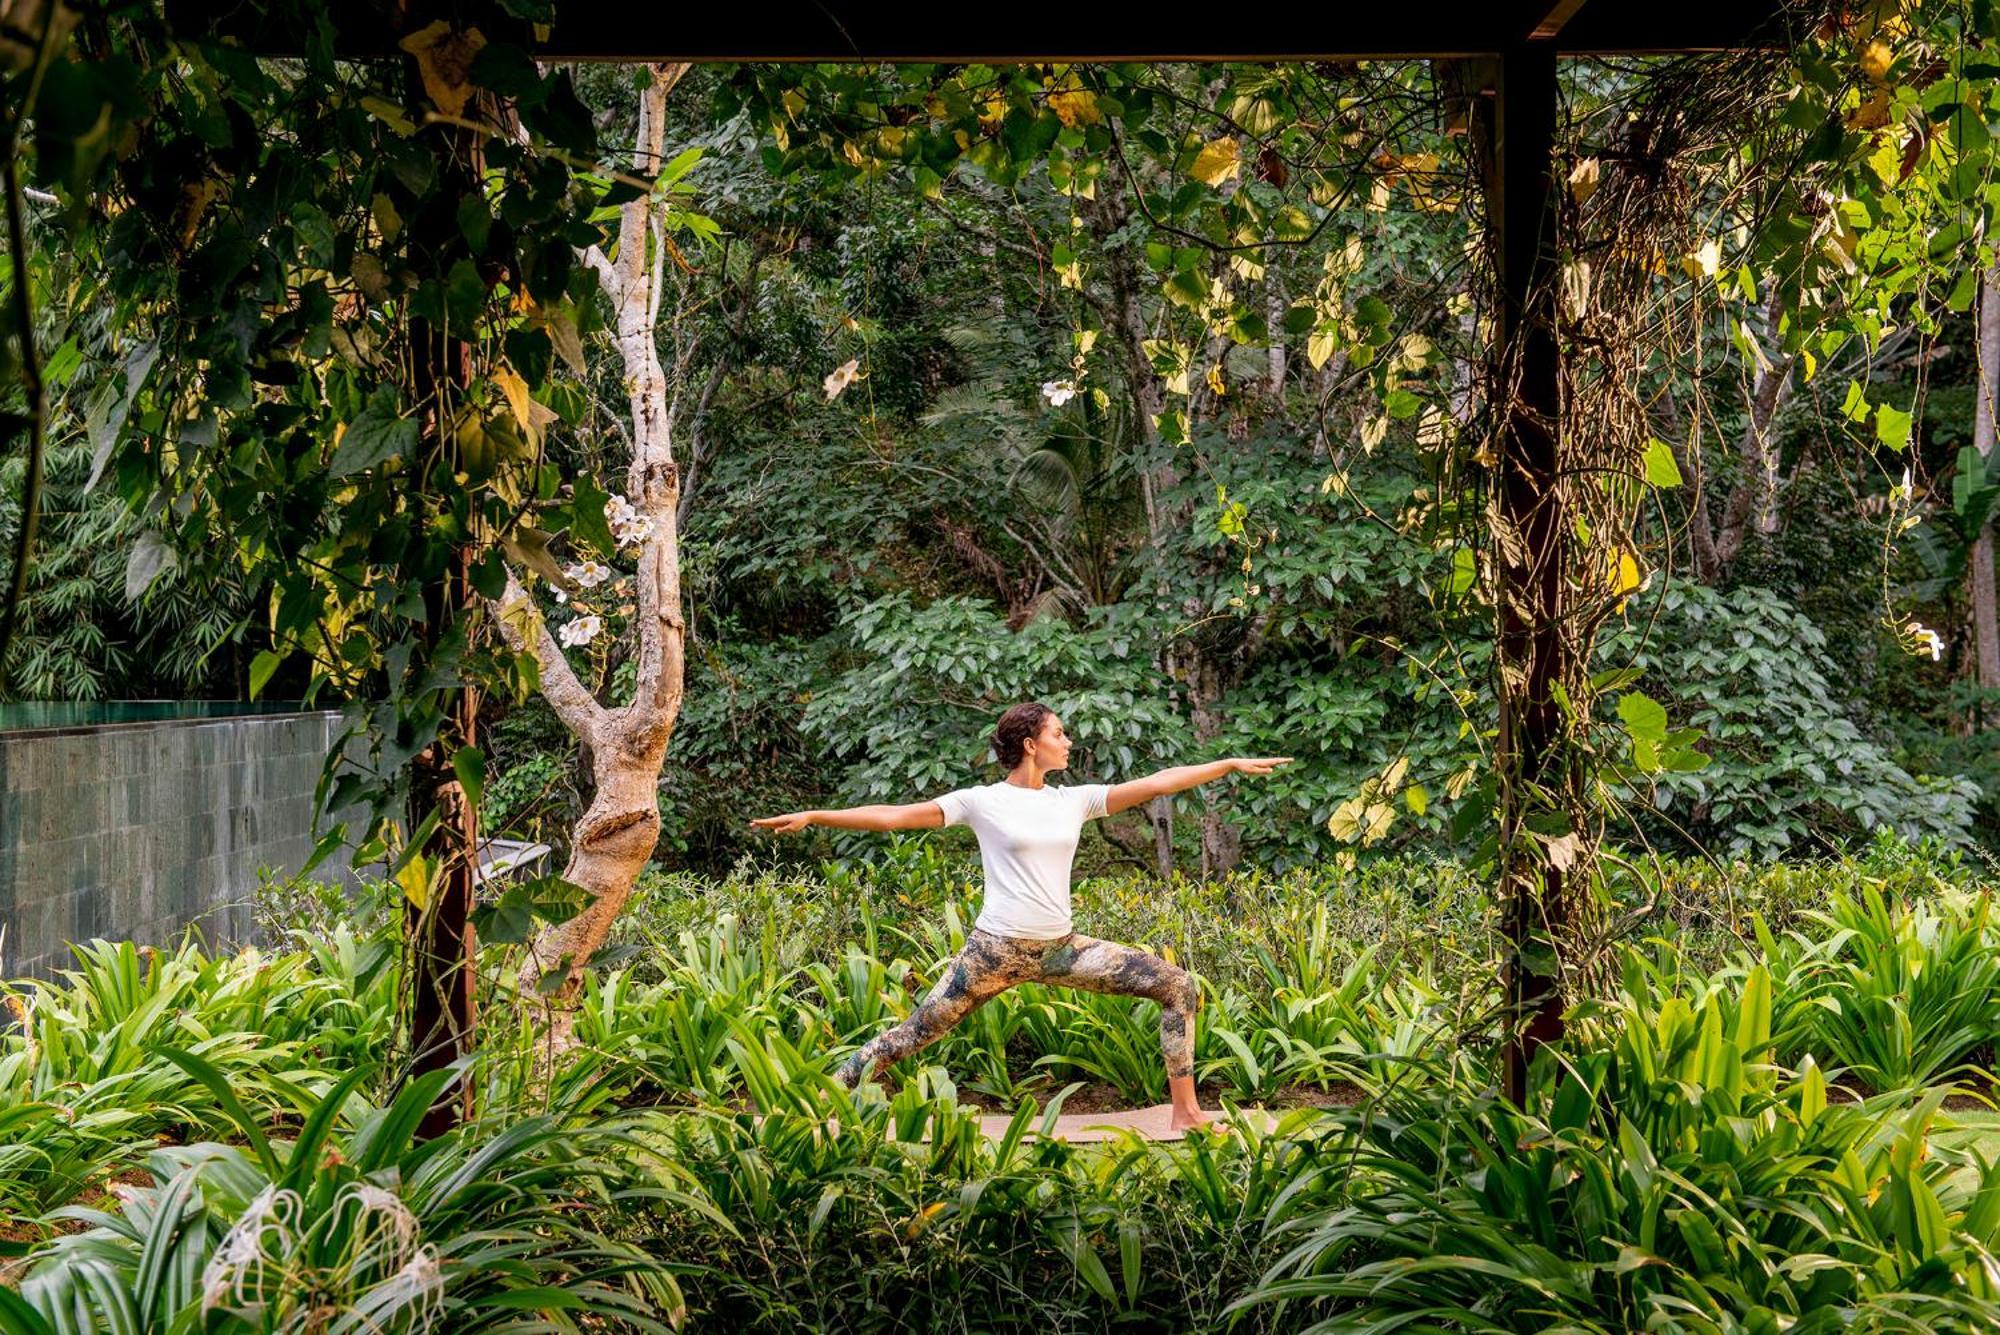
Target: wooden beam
<point>783,31</point>
<point>1551,24</point>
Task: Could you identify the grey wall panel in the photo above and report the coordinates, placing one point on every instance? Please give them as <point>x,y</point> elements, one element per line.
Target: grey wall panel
<point>141,830</point>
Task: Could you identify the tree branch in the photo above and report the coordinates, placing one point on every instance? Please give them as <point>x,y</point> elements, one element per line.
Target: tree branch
<point>567,695</point>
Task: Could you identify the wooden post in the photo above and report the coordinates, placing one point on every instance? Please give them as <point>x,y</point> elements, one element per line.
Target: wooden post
<point>442,954</point>
<point>1517,142</point>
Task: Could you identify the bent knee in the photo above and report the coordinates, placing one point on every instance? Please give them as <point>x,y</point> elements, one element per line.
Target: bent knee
<point>1181,992</point>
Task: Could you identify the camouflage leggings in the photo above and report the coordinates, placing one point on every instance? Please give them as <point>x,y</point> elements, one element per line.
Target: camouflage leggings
<point>989,965</point>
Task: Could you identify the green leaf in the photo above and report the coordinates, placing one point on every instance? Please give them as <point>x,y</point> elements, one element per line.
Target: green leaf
<point>587,519</point>
<point>380,433</point>
<point>1855,406</point>
<point>1661,470</point>
<point>1464,569</point>
<point>469,764</point>
<point>218,1085</point>
<point>261,667</point>
<point>1644,717</point>
<point>151,556</point>
<point>508,920</point>
<point>1892,426</point>
<point>17,1318</point>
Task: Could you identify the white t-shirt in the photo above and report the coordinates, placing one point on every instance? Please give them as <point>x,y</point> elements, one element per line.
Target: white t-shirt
<point>1027,841</point>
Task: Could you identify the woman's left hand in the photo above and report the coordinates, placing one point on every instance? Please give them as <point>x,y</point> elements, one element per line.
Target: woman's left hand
<point>1259,764</point>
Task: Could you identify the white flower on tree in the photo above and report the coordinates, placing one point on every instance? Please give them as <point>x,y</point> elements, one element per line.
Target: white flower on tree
<point>1925,638</point>
<point>580,630</point>
<point>1058,392</point>
<point>841,377</point>
<point>628,526</point>
<point>588,573</point>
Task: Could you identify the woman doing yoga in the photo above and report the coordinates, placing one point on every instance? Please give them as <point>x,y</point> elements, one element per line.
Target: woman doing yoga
<point>1028,831</point>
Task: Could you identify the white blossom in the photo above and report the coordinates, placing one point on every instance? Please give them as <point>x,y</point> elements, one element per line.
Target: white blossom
<point>1926,638</point>
<point>387,1207</point>
<point>841,377</point>
<point>588,573</point>
<point>1058,392</point>
<point>580,630</point>
<point>418,1287</point>
<point>241,1253</point>
<point>628,526</point>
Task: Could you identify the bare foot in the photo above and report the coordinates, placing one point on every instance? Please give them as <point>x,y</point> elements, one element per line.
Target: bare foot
<point>1189,1120</point>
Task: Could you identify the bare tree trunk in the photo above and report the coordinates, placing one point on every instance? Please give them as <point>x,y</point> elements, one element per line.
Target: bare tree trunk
<point>1985,625</point>
<point>1161,809</point>
<point>1109,213</point>
<point>1275,304</point>
<point>1755,498</point>
<point>1221,843</point>
<point>626,745</point>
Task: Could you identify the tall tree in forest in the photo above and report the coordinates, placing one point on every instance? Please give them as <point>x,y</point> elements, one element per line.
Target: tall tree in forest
<point>625,746</point>
<point>1985,624</point>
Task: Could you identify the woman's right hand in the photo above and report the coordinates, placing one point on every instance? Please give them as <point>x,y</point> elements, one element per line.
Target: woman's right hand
<point>790,823</point>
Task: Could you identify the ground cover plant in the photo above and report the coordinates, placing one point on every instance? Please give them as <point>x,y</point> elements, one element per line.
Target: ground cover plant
<point>1779,1126</point>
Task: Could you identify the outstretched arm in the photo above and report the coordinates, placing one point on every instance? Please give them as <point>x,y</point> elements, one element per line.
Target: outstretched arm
<point>913,816</point>
<point>1125,796</point>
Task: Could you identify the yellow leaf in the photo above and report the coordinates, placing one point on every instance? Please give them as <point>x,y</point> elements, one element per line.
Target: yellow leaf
<point>1215,382</point>
<point>1077,107</point>
<point>1377,818</point>
<point>1416,799</point>
<point>1624,573</point>
<point>1218,161</point>
<point>519,402</point>
<point>444,59</point>
<point>383,210</point>
<point>1876,58</point>
<point>1583,179</point>
<point>1320,346</point>
<point>391,115</point>
<point>1870,115</point>
<point>415,878</point>
<point>923,1217</point>
<point>1392,778</point>
<point>1705,261</point>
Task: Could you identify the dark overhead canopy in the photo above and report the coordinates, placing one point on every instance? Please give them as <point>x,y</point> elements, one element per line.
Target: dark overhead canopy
<point>925,30</point>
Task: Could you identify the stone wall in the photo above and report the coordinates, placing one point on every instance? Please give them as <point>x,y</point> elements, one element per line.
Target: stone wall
<point>138,830</point>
